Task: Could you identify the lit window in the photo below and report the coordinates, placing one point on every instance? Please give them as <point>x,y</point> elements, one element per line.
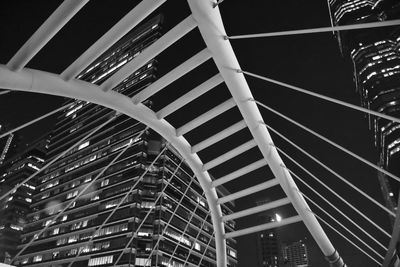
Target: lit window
<point>104,182</point>
<point>64,218</point>
<point>37,258</point>
<point>101,260</point>
<point>81,146</point>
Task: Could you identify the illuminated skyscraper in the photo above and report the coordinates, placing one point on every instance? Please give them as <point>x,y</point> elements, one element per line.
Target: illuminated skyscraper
<point>163,221</point>
<point>8,144</point>
<point>375,54</point>
<point>295,255</point>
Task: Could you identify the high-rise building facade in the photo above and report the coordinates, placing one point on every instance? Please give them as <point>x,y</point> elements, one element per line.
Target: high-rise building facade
<point>15,208</point>
<point>375,54</point>
<point>144,209</point>
<point>8,144</point>
<point>295,255</point>
<point>267,241</point>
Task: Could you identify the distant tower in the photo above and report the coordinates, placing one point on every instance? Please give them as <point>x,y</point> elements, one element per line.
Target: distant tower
<point>268,245</point>
<point>375,54</point>
<point>8,144</point>
<point>295,255</point>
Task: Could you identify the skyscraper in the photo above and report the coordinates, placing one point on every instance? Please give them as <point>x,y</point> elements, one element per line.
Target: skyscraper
<point>15,207</point>
<point>375,54</point>
<point>161,216</point>
<point>8,144</point>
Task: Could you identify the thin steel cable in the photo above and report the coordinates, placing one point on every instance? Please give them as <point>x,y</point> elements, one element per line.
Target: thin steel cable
<point>332,171</point>
<point>344,227</point>
<point>320,30</point>
<point>333,192</point>
<point>347,239</point>
<point>147,215</point>
<point>5,92</point>
<point>54,218</point>
<point>329,141</point>
<point>186,228</point>
<point>330,15</point>
<point>196,239</point>
<point>119,204</point>
<point>327,98</point>
<point>35,120</point>
<point>59,156</point>
<point>173,214</point>
<point>338,210</point>
<point>334,219</point>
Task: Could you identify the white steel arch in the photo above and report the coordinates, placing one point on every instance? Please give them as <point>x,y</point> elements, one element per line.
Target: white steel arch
<point>29,80</point>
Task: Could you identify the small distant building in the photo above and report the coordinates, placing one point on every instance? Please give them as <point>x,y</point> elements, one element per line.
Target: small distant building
<point>295,255</point>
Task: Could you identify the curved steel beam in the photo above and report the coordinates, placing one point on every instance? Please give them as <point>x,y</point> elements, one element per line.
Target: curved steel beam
<point>211,27</point>
<point>30,80</point>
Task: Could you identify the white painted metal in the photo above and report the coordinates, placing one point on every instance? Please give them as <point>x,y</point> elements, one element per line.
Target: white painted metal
<point>219,136</point>
<point>190,96</point>
<point>150,52</point>
<point>29,80</point>
<point>46,31</point>
<point>263,227</point>
<point>206,116</point>
<point>211,28</point>
<point>391,251</point>
<point>128,22</point>
<point>249,191</point>
<point>230,154</point>
<point>238,173</point>
<point>172,76</point>
<point>323,29</point>
<point>257,209</point>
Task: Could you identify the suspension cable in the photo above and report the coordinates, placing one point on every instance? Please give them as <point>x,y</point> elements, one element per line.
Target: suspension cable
<point>327,98</point>
<point>332,172</point>
<point>118,205</point>
<point>334,219</point>
<point>58,156</point>
<point>347,239</point>
<point>338,210</point>
<point>54,218</point>
<point>334,193</point>
<point>320,30</point>
<point>147,215</point>
<point>35,120</point>
<point>323,138</point>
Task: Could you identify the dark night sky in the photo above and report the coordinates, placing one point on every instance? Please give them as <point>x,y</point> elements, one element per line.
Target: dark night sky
<point>313,62</point>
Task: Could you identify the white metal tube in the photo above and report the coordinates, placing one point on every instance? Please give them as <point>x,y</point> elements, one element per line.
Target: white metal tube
<point>263,227</point>
<point>334,192</point>
<point>190,96</point>
<point>34,120</point>
<point>240,172</point>
<point>391,251</point>
<point>230,154</point>
<point>46,31</point>
<point>327,98</point>
<point>219,136</point>
<point>211,28</point>
<point>150,52</point>
<point>128,22</point>
<point>203,118</point>
<point>332,171</point>
<point>249,191</point>
<point>338,210</point>
<point>376,167</point>
<point>348,240</point>
<point>257,209</point>
<point>172,76</point>
<point>323,29</point>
